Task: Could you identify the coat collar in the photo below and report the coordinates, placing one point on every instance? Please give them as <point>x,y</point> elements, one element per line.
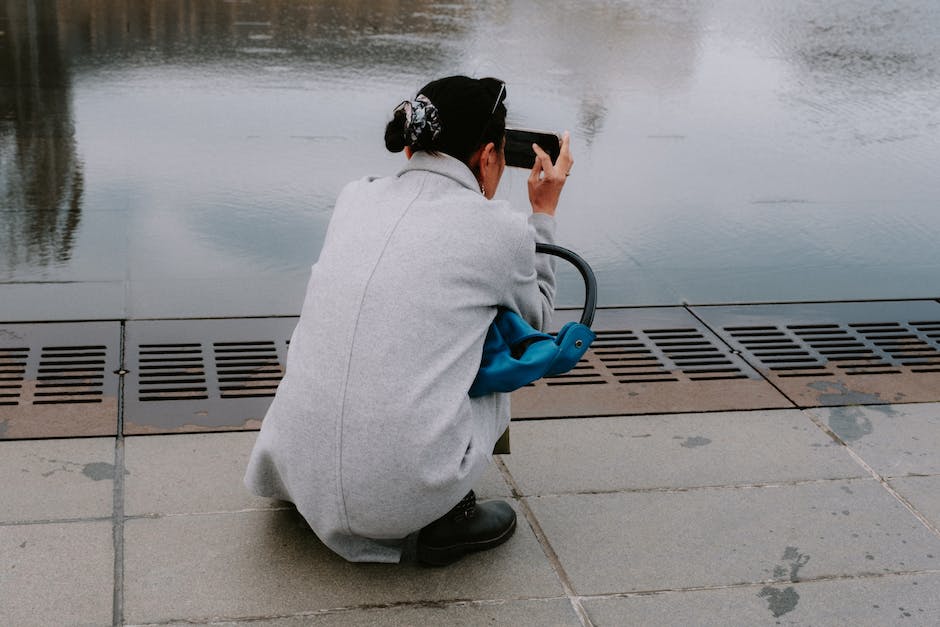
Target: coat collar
<point>442,164</point>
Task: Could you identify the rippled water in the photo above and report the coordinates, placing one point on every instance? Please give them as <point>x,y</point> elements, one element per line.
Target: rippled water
<point>169,158</point>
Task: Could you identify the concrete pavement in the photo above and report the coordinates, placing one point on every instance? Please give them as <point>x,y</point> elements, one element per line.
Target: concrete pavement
<point>825,516</point>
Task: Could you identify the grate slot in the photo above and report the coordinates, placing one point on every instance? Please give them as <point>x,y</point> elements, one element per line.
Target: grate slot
<point>582,374</point>
<point>175,394</point>
<point>874,327</point>
<point>688,363</point>
<point>755,332</point>
<point>790,360</point>
<point>641,358</point>
<point>638,369</point>
<point>845,352</point>
<point>894,339</point>
<point>793,351</point>
<point>651,379</point>
<point>810,328</point>
<point>776,341</point>
<point>678,352</point>
<point>591,382</point>
<point>886,371</point>
<point>814,374</point>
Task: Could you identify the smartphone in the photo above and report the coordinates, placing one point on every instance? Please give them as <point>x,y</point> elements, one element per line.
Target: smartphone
<point>519,152</point>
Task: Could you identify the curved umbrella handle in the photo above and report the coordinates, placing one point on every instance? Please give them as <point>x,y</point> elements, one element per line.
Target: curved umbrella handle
<point>590,282</point>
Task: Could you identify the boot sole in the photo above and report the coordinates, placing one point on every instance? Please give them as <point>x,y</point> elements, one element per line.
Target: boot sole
<point>445,555</point>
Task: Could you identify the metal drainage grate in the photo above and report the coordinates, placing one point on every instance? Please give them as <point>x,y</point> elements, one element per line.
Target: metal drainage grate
<point>648,361</point>
<point>54,385</point>
<point>839,353</point>
<point>190,375</point>
<point>193,375</point>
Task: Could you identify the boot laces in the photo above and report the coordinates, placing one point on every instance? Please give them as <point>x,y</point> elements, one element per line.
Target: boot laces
<point>466,508</point>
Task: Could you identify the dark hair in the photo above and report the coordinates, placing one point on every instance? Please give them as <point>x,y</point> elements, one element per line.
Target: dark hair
<point>465,108</point>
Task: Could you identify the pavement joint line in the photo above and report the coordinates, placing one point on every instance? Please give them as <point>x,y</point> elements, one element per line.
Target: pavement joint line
<point>117,604</point>
<point>118,534</point>
<point>757,584</point>
<point>740,355</point>
<point>367,607</point>
<point>56,521</point>
<point>161,515</point>
<point>684,412</point>
<point>682,489</point>
<point>884,482</point>
<point>547,548</point>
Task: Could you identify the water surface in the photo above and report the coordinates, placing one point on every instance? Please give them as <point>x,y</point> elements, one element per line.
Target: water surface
<point>166,158</point>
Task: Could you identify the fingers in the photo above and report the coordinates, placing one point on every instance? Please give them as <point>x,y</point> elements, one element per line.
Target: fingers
<point>565,160</point>
<point>543,163</point>
<point>547,179</point>
<point>544,167</point>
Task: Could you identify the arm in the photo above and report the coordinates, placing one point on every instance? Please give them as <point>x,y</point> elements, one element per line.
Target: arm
<point>532,284</point>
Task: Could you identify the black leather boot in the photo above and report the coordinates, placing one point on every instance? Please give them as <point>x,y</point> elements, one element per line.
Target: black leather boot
<point>466,528</point>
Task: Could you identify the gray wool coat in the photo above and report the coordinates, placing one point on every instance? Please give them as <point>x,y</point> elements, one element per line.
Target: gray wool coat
<point>371,433</point>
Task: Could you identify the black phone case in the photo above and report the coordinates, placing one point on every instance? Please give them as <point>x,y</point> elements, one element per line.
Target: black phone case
<point>519,153</point>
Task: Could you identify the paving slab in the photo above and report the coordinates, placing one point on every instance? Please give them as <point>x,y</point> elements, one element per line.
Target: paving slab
<point>269,563</point>
<point>870,602</point>
<point>535,612</point>
<point>56,574</point>
<point>895,440</point>
<point>684,450</point>
<point>647,541</point>
<point>923,493</point>
<point>56,479</point>
<point>178,474</point>
<point>201,473</point>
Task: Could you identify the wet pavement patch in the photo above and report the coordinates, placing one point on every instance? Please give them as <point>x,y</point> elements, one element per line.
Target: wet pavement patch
<point>693,442</point>
<point>780,602</point>
<point>99,471</point>
<point>849,423</point>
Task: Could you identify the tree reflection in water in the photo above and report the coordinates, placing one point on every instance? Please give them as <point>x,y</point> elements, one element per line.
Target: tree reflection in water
<point>41,180</point>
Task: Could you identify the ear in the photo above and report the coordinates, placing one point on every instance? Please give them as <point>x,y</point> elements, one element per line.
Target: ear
<point>488,154</point>
<point>477,161</point>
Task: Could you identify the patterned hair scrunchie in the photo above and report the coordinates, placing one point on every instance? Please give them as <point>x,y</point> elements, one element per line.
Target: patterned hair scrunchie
<point>421,121</point>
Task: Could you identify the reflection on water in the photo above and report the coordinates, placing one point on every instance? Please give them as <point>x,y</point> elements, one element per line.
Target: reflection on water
<point>162,155</point>
<point>40,173</point>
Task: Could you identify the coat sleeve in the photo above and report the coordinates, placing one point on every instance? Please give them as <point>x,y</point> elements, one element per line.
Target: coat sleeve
<point>530,289</point>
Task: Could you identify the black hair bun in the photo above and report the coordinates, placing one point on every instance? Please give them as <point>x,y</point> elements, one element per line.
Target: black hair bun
<point>395,132</point>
